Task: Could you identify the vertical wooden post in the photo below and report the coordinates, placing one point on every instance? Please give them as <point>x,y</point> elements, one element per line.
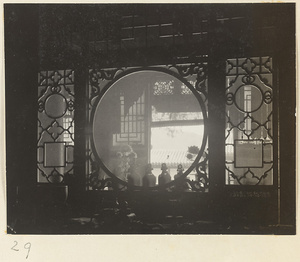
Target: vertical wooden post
<point>216,109</point>
<point>21,72</point>
<point>287,120</point>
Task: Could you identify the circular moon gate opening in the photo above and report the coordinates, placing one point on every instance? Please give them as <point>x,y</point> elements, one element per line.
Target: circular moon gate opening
<point>148,128</point>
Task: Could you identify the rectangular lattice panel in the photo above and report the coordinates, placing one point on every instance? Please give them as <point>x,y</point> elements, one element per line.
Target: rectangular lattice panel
<point>55,143</point>
<point>249,121</point>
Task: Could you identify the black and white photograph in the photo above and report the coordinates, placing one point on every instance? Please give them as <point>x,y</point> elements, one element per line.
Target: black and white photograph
<point>150,119</point>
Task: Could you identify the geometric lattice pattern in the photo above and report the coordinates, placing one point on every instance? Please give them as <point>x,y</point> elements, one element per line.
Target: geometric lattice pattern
<point>163,88</point>
<point>185,90</point>
<point>55,144</point>
<point>132,123</point>
<point>249,118</point>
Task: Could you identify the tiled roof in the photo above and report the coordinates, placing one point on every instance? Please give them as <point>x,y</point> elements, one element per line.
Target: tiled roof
<point>171,157</point>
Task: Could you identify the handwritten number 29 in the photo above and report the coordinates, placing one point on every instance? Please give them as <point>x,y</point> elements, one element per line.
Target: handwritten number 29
<point>26,246</point>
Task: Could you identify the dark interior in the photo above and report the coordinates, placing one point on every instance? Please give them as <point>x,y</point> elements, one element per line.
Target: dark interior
<point>40,38</point>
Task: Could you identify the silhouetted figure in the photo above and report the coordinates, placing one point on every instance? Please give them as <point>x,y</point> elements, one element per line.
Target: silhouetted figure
<point>181,185</point>
<point>164,177</point>
<point>149,180</point>
<point>180,170</point>
<point>133,178</point>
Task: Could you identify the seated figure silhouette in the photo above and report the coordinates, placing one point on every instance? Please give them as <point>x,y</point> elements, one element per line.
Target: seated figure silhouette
<point>164,177</point>
<point>181,185</point>
<point>149,180</point>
